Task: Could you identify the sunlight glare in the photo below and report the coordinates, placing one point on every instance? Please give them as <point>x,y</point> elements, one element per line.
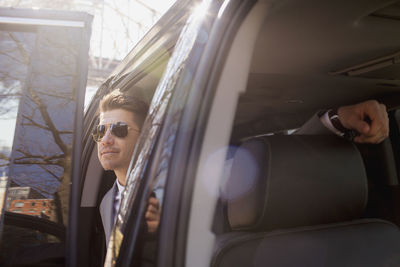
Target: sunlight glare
<point>200,10</point>
<point>222,9</point>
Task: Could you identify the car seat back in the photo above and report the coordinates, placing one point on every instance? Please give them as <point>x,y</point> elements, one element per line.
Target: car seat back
<point>298,201</point>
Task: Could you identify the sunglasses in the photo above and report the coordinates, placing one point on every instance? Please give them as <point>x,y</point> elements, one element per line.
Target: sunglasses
<point>119,129</point>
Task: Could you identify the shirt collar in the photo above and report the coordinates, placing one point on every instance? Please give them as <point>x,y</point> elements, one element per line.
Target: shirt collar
<point>120,187</point>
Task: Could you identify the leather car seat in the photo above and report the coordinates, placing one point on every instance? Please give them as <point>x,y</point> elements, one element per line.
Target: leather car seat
<point>298,201</point>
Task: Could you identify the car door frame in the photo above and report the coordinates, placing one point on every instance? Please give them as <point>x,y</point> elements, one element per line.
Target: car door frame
<point>202,70</point>
<point>179,198</point>
<point>30,20</point>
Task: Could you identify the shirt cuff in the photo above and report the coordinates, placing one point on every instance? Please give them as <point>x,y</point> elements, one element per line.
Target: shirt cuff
<point>325,120</point>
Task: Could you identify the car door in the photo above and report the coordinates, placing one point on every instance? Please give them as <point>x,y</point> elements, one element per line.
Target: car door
<point>167,158</point>
<point>43,69</point>
<point>184,159</point>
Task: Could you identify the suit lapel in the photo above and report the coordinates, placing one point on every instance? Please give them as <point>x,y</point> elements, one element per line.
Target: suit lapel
<point>106,208</point>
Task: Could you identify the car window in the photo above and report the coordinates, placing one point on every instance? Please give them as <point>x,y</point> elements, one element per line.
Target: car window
<point>39,82</point>
<point>145,179</point>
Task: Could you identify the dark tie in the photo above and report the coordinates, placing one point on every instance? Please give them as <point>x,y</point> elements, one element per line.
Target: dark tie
<point>115,203</point>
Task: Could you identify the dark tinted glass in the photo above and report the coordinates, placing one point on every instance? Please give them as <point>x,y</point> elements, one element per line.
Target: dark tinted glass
<point>119,129</point>
<point>39,77</point>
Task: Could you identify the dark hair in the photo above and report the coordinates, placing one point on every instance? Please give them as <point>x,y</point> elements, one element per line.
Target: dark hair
<point>119,100</point>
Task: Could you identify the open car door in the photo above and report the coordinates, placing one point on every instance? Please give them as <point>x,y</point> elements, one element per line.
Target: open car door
<point>43,69</point>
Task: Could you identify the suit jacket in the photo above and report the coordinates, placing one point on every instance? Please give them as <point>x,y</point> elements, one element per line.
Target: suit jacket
<point>313,126</point>
<point>106,211</point>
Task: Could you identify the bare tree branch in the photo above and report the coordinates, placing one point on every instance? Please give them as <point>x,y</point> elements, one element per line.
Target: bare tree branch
<point>28,158</point>
<point>24,54</point>
<point>58,96</point>
<point>39,162</point>
<point>33,123</point>
<point>12,58</point>
<point>28,155</point>
<point>4,157</point>
<point>48,120</point>
<point>51,173</point>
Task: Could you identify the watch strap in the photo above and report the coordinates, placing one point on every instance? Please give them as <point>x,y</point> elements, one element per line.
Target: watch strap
<point>346,133</point>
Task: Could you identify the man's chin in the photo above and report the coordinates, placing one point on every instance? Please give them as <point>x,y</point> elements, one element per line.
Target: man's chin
<point>108,166</point>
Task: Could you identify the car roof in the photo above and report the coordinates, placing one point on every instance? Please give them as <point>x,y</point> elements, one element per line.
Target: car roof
<point>312,55</point>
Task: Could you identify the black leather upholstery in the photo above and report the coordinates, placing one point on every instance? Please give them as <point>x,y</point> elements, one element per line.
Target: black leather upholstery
<point>297,201</point>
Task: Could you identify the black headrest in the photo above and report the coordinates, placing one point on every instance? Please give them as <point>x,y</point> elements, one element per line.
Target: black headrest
<point>288,181</point>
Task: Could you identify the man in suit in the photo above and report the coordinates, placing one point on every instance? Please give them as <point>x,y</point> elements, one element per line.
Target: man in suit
<point>121,117</point>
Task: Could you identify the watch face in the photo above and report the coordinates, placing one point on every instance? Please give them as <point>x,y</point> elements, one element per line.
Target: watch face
<point>334,118</point>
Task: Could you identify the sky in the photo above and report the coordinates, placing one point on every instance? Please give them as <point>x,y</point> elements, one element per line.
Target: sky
<point>7,134</point>
<point>115,41</point>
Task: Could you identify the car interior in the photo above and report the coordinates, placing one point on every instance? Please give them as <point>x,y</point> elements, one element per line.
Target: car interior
<point>320,199</point>
<point>315,55</point>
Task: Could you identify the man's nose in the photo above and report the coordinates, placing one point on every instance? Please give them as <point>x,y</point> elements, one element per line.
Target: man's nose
<point>108,138</point>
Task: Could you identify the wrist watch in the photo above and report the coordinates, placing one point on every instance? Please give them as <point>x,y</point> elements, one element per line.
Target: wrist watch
<point>346,133</point>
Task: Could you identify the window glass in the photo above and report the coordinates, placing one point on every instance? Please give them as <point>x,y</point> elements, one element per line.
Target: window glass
<point>38,82</point>
<point>140,188</point>
<point>16,48</point>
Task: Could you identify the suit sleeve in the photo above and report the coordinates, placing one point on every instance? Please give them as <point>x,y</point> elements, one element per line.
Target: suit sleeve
<point>313,126</point>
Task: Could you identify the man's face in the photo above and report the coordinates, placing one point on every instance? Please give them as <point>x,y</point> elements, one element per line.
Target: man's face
<point>114,152</point>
